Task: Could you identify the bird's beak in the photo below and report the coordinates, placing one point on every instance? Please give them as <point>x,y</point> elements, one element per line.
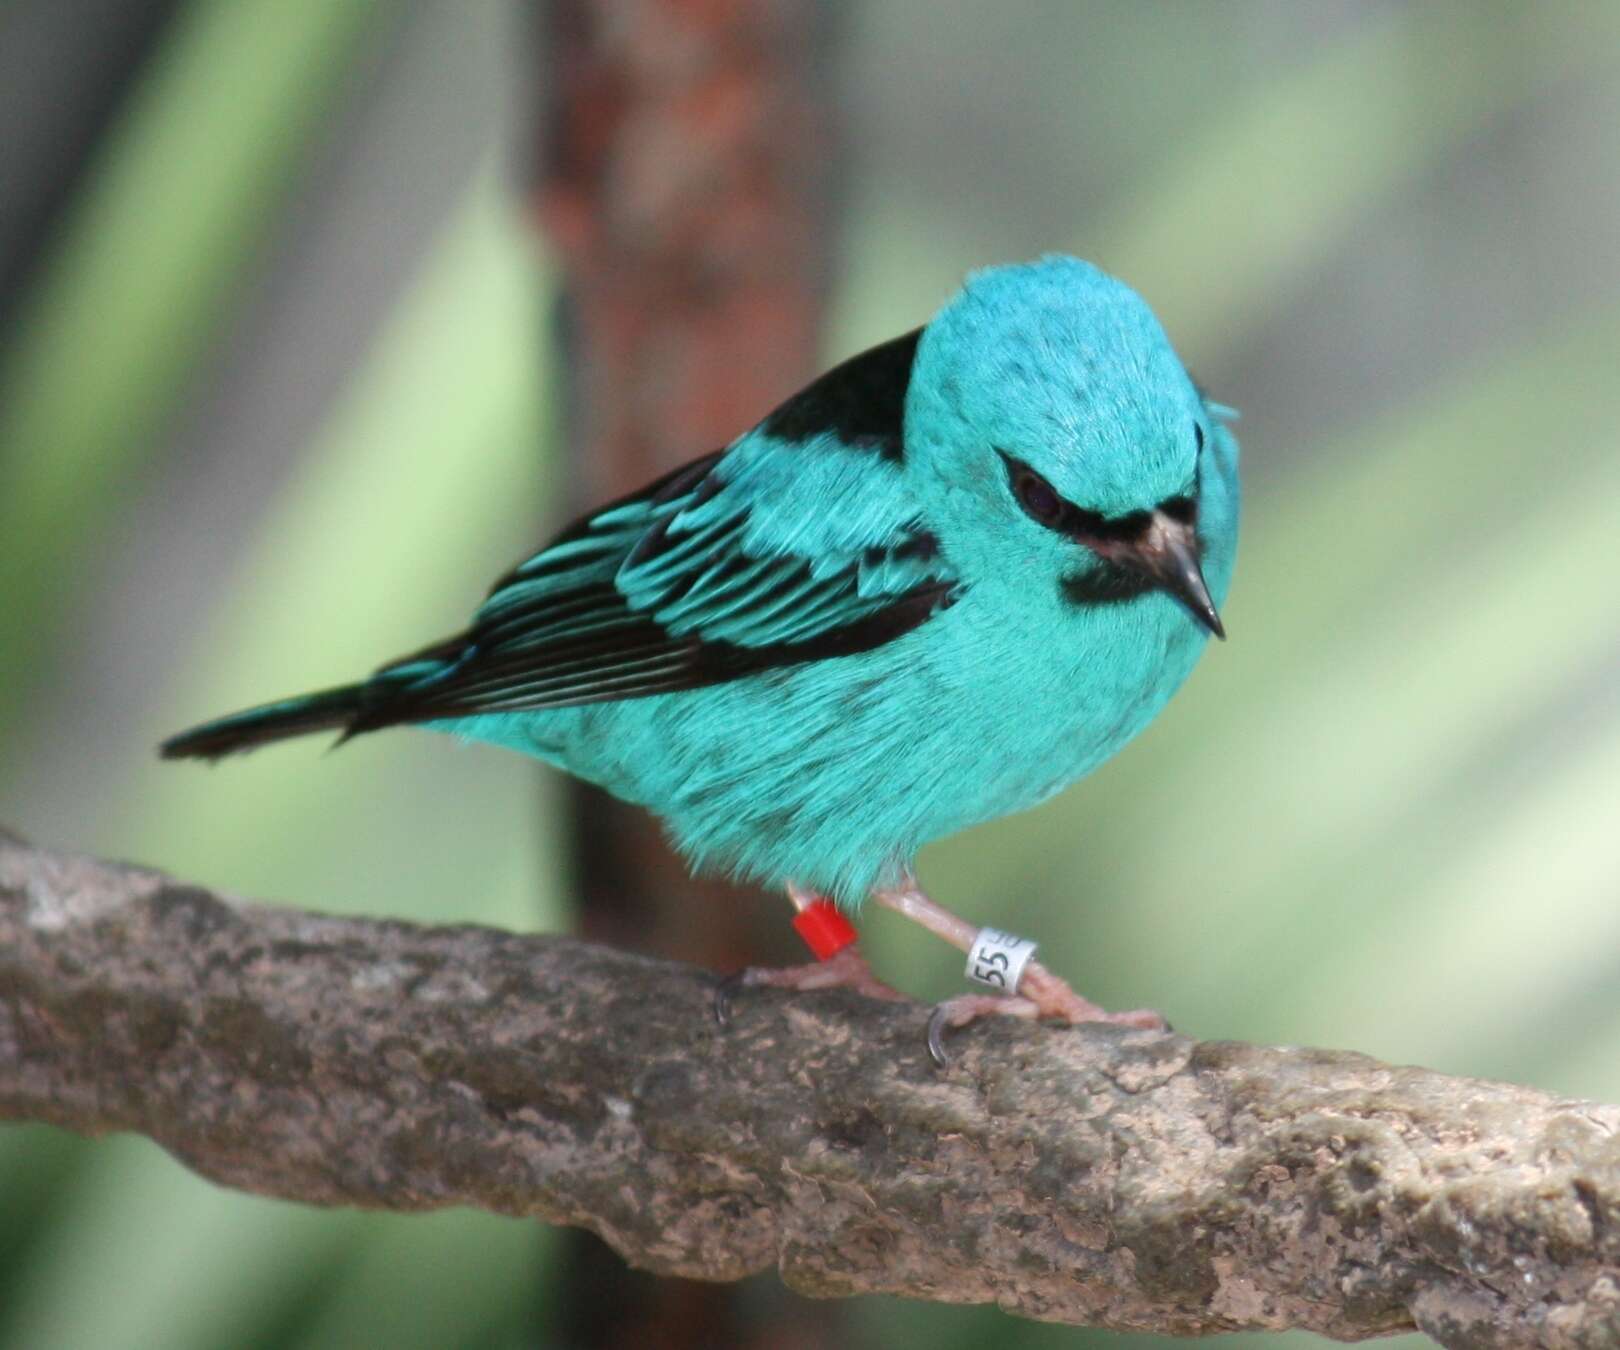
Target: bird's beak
<point>1167,554</point>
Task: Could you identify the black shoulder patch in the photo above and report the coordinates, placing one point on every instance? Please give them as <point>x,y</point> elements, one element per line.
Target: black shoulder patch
<point>862,401</point>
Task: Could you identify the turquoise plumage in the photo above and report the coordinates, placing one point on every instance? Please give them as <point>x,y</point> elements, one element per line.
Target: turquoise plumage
<point>949,578</point>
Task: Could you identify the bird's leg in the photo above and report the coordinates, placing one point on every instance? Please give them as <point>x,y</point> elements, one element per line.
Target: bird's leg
<point>839,962</point>
<point>1038,993</point>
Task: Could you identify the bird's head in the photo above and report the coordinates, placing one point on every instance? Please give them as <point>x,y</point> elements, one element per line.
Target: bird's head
<point>1058,440</point>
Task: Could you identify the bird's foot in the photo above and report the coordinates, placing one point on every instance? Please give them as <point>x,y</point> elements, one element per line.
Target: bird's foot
<point>847,970</point>
<point>1041,994</point>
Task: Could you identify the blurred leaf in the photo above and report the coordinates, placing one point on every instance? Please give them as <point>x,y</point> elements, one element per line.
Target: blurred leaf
<point>455,1278</point>
<point>124,1265</point>
<point>1277,176</point>
<point>184,192</point>
<point>426,484</point>
<point>445,420</point>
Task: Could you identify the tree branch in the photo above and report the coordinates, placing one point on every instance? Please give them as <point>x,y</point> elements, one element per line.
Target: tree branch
<point>1123,1179</point>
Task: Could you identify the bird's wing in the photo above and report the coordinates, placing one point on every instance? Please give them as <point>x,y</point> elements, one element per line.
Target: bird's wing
<point>798,542</point>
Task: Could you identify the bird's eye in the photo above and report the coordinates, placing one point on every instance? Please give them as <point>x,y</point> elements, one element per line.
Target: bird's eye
<point>1039,498</point>
<point>1182,509</point>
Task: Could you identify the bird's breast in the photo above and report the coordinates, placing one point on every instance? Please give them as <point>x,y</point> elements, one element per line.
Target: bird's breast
<point>1058,689</point>
<point>832,774</point>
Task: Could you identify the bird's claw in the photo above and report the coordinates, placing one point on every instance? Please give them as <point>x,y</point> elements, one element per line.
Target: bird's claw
<point>847,970</point>
<point>938,1020</point>
<point>1040,995</point>
<point>725,990</point>
<point>966,1008</point>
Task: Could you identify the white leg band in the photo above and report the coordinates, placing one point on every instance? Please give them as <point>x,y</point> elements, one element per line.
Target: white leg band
<point>997,959</point>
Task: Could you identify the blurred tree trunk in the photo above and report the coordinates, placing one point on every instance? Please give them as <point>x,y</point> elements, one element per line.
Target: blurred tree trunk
<point>685,186</point>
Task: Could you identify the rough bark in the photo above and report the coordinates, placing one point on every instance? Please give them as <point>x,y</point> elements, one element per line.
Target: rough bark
<point>1124,1179</point>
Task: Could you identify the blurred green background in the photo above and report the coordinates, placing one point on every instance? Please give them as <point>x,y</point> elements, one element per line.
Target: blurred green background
<point>277,401</point>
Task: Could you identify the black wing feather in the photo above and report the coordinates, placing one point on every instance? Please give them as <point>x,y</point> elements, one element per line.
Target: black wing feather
<point>562,628</point>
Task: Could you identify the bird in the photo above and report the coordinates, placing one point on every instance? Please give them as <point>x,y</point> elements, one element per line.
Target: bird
<point>945,580</point>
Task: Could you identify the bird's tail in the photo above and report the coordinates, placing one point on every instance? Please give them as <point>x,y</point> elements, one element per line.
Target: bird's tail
<point>328,710</point>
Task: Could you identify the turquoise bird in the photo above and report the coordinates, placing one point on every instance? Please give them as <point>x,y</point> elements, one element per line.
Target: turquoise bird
<point>950,577</point>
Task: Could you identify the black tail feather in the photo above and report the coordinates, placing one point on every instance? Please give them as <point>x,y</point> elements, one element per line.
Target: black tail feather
<point>329,710</point>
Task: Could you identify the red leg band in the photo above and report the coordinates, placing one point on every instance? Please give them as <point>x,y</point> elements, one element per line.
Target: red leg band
<point>824,929</point>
